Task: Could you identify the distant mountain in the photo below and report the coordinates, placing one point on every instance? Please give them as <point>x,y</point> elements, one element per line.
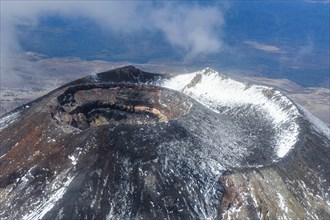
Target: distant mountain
<point>128,144</point>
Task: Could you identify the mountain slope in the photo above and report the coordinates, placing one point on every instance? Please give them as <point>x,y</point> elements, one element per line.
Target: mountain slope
<point>124,144</point>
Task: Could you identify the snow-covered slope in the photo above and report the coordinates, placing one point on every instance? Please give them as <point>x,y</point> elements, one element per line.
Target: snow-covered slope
<point>225,95</point>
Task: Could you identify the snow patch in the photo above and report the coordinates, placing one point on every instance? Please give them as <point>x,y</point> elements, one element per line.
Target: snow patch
<point>73,160</point>
<point>45,207</point>
<point>8,120</point>
<point>282,204</point>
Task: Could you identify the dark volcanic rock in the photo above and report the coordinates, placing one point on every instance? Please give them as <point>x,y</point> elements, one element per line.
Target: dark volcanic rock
<point>118,145</point>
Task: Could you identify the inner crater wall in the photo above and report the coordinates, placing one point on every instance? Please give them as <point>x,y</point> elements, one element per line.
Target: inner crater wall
<point>83,106</point>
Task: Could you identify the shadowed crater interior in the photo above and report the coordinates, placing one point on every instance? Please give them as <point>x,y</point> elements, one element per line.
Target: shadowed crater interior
<point>83,106</point>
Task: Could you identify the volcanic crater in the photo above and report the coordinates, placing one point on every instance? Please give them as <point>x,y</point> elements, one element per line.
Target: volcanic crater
<point>123,145</point>
<point>83,106</point>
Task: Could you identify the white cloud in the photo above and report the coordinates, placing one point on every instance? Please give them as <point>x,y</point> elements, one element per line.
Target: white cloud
<point>191,27</point>
<point>194,28</point>
<point>263,47</point>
